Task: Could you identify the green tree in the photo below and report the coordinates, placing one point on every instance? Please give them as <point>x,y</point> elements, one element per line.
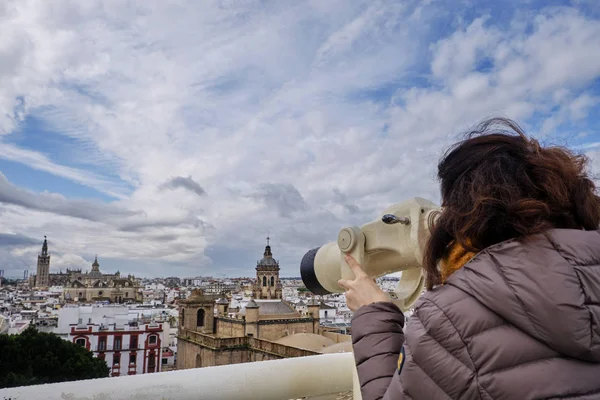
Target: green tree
<point>34,358</point>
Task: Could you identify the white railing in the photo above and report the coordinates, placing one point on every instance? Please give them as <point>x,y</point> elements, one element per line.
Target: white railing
<point>289,378</point>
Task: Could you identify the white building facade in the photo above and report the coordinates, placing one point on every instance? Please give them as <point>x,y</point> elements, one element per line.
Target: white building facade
<point>136,349</point>
<point>128,346</point>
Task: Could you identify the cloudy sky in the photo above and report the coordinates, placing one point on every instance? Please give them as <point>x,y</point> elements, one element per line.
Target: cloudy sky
<point>170,137</point>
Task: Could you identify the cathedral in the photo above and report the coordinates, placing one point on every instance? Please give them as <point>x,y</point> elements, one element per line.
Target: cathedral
<point>96,286</point>
<point>86,286</point>
<point>267,327</point>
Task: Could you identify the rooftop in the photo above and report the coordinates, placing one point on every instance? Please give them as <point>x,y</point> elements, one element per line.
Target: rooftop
<point>308,341</point>
<point>272,307</point>
<point>342,347</point>
<point>325,306</point>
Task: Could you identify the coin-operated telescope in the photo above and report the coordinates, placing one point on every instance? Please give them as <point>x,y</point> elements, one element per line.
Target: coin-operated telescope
<point>392,243</point>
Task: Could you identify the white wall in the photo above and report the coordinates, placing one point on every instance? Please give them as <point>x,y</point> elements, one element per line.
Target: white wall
<point>327,314</point>
<point>92,317</point>
<point>125,351</point>
<point>91,314</point>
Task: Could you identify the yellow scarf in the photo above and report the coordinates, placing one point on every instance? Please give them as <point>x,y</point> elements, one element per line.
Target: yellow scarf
<point>457,257</point>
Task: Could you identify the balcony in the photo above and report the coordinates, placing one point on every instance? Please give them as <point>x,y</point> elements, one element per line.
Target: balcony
<point>326,376</point>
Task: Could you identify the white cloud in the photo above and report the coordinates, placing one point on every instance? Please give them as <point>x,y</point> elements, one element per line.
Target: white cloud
<point>456,56</point>
<point>281,115</point>
<point>57,204</point>
<point>40,162</point>
<point>69,260</point>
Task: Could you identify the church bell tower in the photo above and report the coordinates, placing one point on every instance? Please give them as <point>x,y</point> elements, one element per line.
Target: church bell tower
<point>42,276</point>
<point>267,284</point>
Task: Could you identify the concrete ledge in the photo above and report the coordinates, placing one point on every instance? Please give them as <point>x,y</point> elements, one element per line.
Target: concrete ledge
<point>290,378</point>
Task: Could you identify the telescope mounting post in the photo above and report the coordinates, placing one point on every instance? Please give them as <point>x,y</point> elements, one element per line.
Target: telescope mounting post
<point>351,241</point>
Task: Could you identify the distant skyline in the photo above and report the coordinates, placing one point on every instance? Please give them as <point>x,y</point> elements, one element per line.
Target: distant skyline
<point>170,138</point>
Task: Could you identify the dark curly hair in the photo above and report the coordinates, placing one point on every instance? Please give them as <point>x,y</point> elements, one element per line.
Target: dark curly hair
<point>498,184</point>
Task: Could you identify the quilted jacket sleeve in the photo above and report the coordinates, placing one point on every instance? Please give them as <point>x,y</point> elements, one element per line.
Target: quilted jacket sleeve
<point>436,362</point>
<point>377,339</point>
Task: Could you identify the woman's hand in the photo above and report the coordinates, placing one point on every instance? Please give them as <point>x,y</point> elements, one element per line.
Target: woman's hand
<point>363,289</point>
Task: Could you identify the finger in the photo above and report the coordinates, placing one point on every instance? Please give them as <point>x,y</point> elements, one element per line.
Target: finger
<point>344,283</point>
<point>354,266</point>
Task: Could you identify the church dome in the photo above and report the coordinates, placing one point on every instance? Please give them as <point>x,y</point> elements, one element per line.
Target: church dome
<point>95,273</point>
<point>268,260</point>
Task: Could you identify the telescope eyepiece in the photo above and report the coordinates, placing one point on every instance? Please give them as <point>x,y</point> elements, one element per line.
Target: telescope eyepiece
<point>391,219</point>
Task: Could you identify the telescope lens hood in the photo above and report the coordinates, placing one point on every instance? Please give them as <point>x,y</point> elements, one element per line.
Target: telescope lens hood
<point>307,271</point>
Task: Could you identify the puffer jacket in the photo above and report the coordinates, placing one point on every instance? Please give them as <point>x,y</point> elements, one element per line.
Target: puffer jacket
<point>519,321</point>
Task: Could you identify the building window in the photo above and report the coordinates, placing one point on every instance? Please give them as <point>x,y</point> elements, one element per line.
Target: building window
<point>102,343</point>
<point>116,359</point>
<point>264,281</point>
<point>126,294</point>
<point>80,294</point>
<point>132,359</point>
<point>152,339</point>
<point>164,361</point>
<point>118,340</point>
<point>80,342</point>
<point>200,318</point>
<point>272,281</point>
<point>182,316</point>
<point>133,342</point>
<point>100,293</point>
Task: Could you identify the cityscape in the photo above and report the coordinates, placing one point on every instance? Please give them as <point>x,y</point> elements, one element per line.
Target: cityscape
<point>142,326</point>
<point>181,180</point>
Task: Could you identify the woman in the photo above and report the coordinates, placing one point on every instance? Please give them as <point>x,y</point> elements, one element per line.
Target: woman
<point>512,309</point>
